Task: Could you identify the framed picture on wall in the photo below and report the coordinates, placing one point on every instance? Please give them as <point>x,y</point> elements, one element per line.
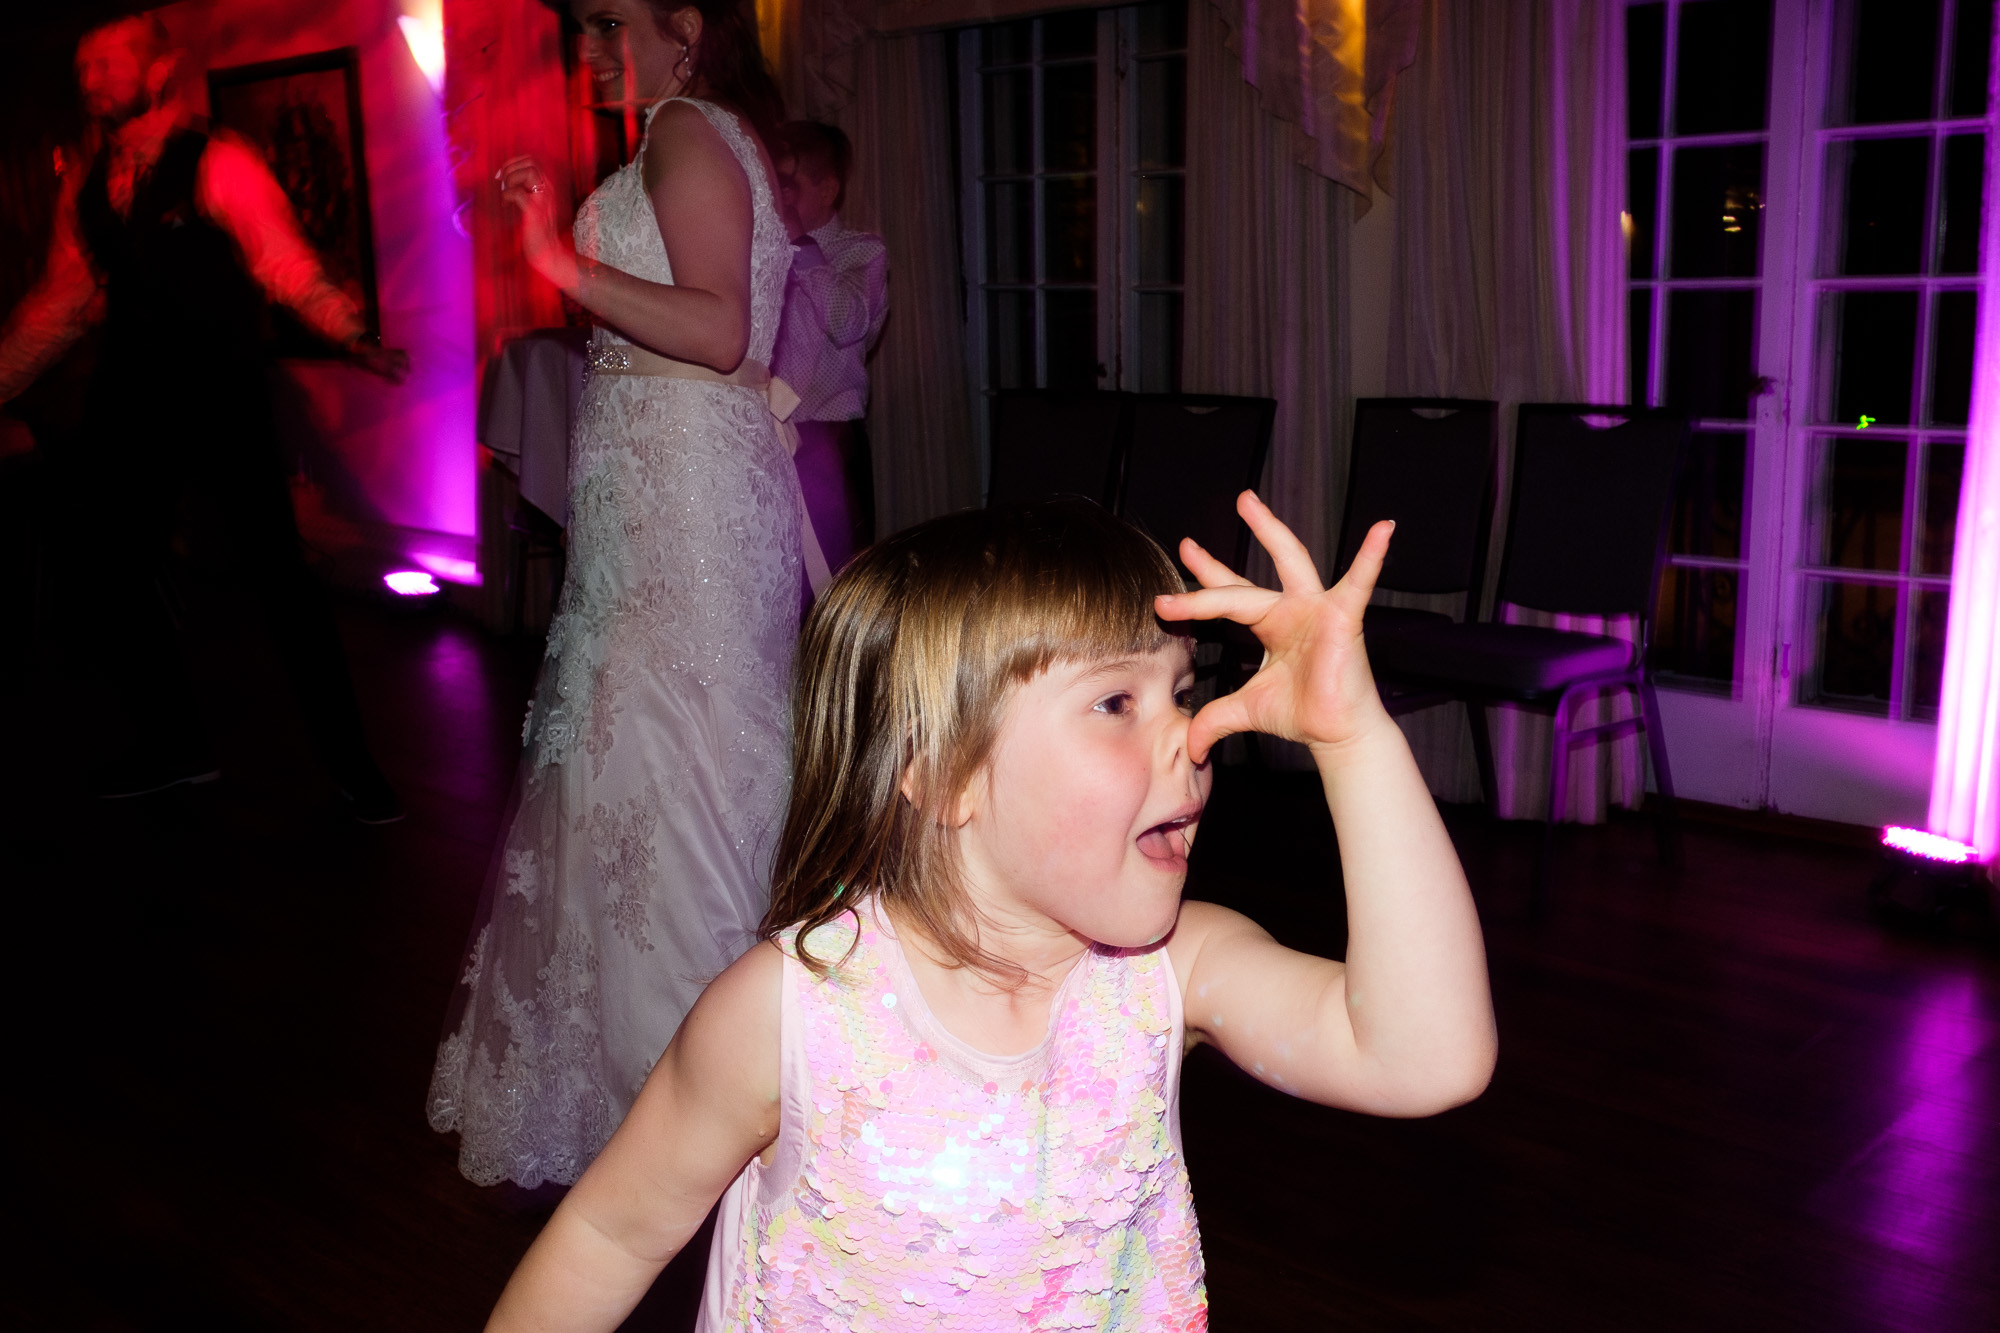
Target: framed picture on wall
<point>304,116</point>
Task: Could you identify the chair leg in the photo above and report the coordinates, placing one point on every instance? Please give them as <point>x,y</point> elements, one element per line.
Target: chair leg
<point>1667,826</point>
<point>1482,751</point>
<point>1558,798</point>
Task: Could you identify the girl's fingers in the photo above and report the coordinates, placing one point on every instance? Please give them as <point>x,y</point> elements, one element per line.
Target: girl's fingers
<point>1242,602</point>
<point>1358,584</point>
<point>1212,572</point>
<point>1218,718</point>
<point>1296,571</point>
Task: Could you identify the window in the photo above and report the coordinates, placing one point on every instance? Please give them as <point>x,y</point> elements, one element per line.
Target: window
<point>1895,294</point>
<point>1072,148</point>
<point>1697,123</point>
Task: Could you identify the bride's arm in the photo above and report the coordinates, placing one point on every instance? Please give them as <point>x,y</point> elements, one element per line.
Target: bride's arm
<point>702,200</point>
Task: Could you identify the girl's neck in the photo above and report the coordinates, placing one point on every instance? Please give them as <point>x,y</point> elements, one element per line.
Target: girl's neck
<point>994,1014</point>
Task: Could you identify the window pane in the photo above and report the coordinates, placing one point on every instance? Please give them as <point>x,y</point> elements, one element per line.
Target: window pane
<point>1640,341</point>
<point>1163,27</point>
<point>1069,229</point>
<point>1069,117</point>
<point>1642,187</point>
<point>1854,637</point>
<point>1708,496</point>
<point>1159,229</point>
<point>1970,49</point>
<point>1160,342</point>
<point>1718,200</point>
<point>1861,504</point>
<point>1964,179</point>
<point>1694,631</point>
<point>1874,355</point>
<point>1072,333</point>
<point>1162,112</point>
<point>1010,232</point>
<point>1944,468</point>
<point>1712,352</point>
<point>1010,340</point>
<point>1005,43</point>
<point>1951,357</point>
<point>1073,33</point>
<point>1645,59</point>
<point>1933,606</point>
<point>1725,58</point>
<point>1887,189</point>
<point>1009,116</point>
<point>1892,61</point>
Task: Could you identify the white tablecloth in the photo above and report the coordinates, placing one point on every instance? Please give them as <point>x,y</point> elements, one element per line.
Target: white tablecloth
<point>530,401</point>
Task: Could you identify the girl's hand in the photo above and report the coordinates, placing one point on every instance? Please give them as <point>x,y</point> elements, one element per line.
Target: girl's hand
<point>1315,685</point>
<point>524,185</point>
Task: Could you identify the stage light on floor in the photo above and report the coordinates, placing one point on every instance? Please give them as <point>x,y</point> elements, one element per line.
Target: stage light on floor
<point>1929,846</point>
<point>411,583</point>
<point>449,568</point>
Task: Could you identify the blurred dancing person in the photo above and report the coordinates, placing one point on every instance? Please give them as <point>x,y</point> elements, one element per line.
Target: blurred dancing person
<point>637,864</point>
<point>835,303</point>
<point>174,240</point>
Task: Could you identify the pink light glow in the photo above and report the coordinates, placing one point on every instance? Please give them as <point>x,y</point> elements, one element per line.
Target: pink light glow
<point>411,583</point>
<point>449,568</point>
<point>1965,785</point>
<point>1927,845</point>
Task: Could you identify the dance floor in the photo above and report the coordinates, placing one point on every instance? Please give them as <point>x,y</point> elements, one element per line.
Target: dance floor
<point>1726,1098</point>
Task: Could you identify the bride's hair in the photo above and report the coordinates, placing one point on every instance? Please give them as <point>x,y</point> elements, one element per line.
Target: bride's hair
<point>904,667</point>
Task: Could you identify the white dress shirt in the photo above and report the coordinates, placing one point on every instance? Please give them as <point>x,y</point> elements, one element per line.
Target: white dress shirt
<point>835,302</point>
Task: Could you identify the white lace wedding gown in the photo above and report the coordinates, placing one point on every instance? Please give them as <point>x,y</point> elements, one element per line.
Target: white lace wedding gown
<point>637,865</point>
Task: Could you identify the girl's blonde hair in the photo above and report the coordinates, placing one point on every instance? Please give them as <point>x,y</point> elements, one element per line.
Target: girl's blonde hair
<point>904,665</point>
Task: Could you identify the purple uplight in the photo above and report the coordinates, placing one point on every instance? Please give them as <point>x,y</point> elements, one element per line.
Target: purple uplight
<point>1930,846</point>
<point>411,583</point>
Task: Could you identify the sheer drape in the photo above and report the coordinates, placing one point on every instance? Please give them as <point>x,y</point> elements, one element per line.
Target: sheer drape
<point>1266,276</point>
<point>1509,283</point>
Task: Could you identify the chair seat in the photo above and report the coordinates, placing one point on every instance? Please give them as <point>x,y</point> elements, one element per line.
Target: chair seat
<point>1383,617</point>
<point>1519,660</point>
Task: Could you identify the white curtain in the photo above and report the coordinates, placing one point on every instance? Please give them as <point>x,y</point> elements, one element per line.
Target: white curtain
<point>1266,279</point>
<point>1509,283</point>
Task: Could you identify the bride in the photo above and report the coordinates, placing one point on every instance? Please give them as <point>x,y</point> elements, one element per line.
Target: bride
<point>637,862</point>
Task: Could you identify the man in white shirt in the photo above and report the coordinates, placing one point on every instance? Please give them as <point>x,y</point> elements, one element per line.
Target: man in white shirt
<point>835,303</point>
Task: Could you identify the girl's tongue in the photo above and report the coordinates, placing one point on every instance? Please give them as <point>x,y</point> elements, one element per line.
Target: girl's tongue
<point>1166,844</point>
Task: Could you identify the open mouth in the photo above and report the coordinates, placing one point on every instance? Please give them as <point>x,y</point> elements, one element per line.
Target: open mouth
<point>1168,843</point>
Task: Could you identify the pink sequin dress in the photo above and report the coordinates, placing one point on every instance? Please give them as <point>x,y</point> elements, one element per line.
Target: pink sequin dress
<point>920,1184</point>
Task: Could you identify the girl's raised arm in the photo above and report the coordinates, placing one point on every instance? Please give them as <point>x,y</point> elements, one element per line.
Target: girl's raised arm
<point>709,1106</point>
<point>1405,1025</point>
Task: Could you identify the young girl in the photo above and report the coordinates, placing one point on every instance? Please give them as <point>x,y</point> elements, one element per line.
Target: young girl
<point>942,1094</point>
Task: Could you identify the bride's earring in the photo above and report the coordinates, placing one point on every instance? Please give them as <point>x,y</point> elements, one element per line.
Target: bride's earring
<point>684,67</point>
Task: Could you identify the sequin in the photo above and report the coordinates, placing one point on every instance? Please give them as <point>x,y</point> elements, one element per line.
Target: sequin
<point>930,1193</point>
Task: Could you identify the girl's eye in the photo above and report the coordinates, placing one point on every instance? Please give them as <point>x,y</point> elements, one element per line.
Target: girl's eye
<point>1117,705</point>
<point>1184,700</point>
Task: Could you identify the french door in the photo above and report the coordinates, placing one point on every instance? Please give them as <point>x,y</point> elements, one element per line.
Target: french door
<point>1805,184</point>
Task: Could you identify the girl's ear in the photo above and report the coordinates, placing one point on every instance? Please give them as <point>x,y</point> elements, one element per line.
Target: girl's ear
<point>962,807</point>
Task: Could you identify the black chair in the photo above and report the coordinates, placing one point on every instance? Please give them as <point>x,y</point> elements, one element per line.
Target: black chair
<point>1587,535</point>
<point>1189,457</point>
<point>1429,464</point>
<point>1049,442</point>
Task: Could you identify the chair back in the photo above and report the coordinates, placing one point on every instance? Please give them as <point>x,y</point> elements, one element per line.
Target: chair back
<point>1429,464</point>
<point>1587,525</point>
<point>1050,442</point>
<point>1190,456</point>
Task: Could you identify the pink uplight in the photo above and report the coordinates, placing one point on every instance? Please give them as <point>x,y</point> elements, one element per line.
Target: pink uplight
<point>449,568</point>
<point>411,583</point>
<point>1930,846</point>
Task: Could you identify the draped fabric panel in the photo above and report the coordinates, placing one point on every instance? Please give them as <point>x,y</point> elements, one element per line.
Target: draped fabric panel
<point>1266,275</point>
<point>1509,283</point>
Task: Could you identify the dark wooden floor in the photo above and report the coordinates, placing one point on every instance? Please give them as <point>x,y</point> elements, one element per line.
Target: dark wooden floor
<point>1726,1098</point>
